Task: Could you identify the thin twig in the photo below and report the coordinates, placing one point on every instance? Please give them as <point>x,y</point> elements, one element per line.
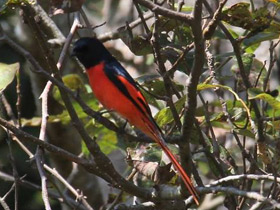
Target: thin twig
<point>167,81</point>
<point>234,191</point>
<point>118,32</point>
<point>142,18</point>
<point>87,22</point>
<point>272,61</point>
<point>18,103</point>
<point>15,172</point>
<point>4,204</point>
<point>166,12</point>
<point>179,59</point>
<point>211,27</point>
<point>117,199</point>
<point>39,151</point>
<point>216,149</point>
<point>10,190</point>
<point>8,108</point>
<point>76,24</point>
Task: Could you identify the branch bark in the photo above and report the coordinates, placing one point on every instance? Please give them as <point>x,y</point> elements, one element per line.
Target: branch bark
<point>189,115</point>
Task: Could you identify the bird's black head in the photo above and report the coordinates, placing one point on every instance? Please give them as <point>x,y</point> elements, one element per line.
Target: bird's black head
<point>90,52</point>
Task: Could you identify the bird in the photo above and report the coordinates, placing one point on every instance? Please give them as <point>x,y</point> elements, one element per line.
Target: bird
<point>116,90</point>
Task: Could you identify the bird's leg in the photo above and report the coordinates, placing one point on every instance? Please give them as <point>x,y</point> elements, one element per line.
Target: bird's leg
<point>100,113</point>
<point>124,125</point>
<point>105,112</point>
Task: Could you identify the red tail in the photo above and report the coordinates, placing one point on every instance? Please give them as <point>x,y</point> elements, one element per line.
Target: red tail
<point>155,133</point>
<point>181,171</point>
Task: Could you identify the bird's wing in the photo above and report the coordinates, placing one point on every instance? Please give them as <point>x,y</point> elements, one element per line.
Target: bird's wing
<point>126,84</point>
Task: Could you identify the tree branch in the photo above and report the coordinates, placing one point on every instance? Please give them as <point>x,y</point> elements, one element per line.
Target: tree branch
<point>188,119</point>
<point>166,12</point>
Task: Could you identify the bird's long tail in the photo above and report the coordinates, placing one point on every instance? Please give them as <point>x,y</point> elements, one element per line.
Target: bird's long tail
<point>181,171</point>
<point>155,133</point>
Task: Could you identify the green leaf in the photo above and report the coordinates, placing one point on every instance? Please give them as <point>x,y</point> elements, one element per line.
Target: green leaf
<point>153,153</point>
<point>64,116</point>
<point>75,83</point>
<point>157,87</point>
<point>213,117</point>
<point>221,125</point>
<point>204,86</point>
<point>237,114</point>
<point>173,52</point>
<point>106,139</point>
<point>33,122</point>
<point>252,48</point>
<point>72,81</point>
<point>274,27</point>
<point>234,34</point>
<point>139,45</point>
<point>85,150</point>
<point>165,116</point>
<point>261,19</point>
<point>272,32</point>
<point>252,92</point>
<point>17,1</point>
<point>253,67</point>
<point>260,37</point>
<point>183,34</point>
<point>7,74</point>
<point>239,15</point>
<point>203,167</point>
<point>267,98</point>
<point>245,132</point>
<point>3,6</point>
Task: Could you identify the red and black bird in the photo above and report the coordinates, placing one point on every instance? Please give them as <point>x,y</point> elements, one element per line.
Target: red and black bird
<point>116,90</point>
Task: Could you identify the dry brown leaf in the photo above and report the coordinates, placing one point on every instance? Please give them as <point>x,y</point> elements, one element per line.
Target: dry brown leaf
<point>152,170</point>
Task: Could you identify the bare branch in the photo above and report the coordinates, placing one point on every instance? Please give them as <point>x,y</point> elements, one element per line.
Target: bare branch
<point>189,114</point>
<point>15,172</point>
<point>118,32</point>
<point>166,12</point>
<point>4,204</point>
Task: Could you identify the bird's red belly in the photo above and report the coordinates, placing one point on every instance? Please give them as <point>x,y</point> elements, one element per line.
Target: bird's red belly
<point>110,96</point>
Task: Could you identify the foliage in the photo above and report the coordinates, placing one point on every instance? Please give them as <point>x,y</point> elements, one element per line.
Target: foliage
<point>8,73</point>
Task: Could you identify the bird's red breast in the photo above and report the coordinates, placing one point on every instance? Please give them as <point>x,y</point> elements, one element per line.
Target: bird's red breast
<point>113,99</point>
